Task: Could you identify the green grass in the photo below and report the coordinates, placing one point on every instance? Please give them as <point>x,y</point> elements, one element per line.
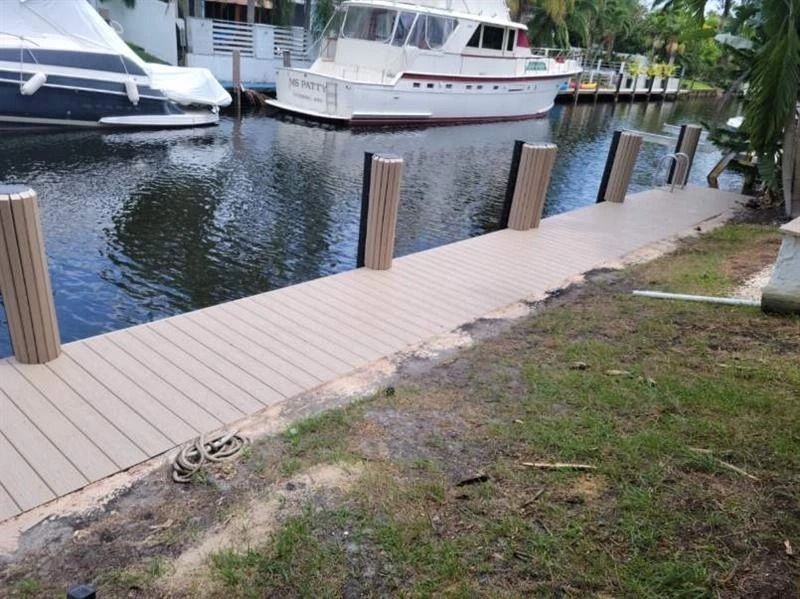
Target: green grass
<point>696,85</point>
<point>656,519</point>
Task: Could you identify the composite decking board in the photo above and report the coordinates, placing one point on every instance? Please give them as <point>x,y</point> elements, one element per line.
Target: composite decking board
<point>310,330</point>
<point>167,394</point>
<point>57,426</point>
<point>433,314</point>
<point>209,401</point>
<point>281,331</point>
<point>138,430</point>
<point>276,371</point>
<point>48,460</point>
<point>185,363</point>
<point>224,364</point>
<point>334,327</point>
<point>25,486</point>
<point>312,372</point>
<point>377,317</point>
<point>8,507</point>
<point>109,437</point>
<point>160,417</point>
<point>386,306</point>
<point>372,326</point>
<point>133,394</point>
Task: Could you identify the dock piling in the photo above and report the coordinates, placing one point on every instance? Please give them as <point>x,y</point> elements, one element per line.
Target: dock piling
<point>688,139</point>
<point>236,59</point>
<point>619,166</point>
<point>531,166</point>
<point>380,199</point>
<point>24,279</point>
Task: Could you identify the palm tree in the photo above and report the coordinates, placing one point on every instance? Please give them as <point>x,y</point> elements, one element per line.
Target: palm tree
<point>771,106</point>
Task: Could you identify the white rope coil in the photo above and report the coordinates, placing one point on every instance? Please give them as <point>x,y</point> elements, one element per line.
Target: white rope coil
<point>194,455</point>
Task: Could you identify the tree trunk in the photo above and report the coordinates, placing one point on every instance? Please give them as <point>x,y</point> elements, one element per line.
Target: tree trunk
<point>788,175</point>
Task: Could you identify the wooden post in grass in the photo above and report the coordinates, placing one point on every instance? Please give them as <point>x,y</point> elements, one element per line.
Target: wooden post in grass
<point>688,139</point>
<point>619,166</point>
<point>380,199</point>
<point>24,280</point>
<point>531,166</point>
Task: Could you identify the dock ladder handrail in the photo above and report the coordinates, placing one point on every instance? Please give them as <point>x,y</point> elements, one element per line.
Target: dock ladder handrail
<point>679,159</point>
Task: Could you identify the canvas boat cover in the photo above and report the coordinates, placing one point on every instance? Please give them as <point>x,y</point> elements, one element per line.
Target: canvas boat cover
<point>76,25</point>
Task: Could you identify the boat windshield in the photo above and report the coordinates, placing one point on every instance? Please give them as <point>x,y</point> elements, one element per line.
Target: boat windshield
<point>431,31</point>
<point>369,23</point>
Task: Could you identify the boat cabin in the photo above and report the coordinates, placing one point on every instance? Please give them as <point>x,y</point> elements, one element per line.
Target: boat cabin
<point>378,39</point>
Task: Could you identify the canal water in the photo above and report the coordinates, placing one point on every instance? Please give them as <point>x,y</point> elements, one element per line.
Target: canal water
<point>143,225</point>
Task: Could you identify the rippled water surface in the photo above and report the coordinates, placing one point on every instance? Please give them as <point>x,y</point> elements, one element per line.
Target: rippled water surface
<point>143,225</point>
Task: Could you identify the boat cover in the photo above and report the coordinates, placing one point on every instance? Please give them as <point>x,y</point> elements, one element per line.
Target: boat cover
<point>76,25</point>
<point>187,85</point>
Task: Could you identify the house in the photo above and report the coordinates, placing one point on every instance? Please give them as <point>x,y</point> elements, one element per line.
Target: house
<point>205,33</point>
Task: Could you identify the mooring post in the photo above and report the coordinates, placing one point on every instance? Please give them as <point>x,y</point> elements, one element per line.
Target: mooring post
<point>236,58</point>
<point>24,280</point>
<point>380,199</point>
<point>688,139</point>
<point>528,179</point>
<point>619,166</point>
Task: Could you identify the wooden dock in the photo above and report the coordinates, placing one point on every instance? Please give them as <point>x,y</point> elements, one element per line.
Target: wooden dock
<point>115,400</point>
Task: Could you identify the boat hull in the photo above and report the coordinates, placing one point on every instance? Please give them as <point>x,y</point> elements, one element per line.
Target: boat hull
<point>415,98</point>
<point>63,106</point>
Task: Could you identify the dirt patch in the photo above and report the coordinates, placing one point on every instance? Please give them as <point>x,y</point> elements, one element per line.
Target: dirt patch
<point>742,265</point>
<point>251,524</point>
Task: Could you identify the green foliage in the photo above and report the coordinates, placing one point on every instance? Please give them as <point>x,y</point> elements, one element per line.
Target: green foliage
<point>775,76</point>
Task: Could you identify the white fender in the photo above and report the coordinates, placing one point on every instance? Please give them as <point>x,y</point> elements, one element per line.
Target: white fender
<point>132,90</point>
<point>32,85</point>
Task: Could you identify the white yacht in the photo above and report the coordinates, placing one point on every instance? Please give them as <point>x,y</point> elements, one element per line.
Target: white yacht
<point>62,64</point>
<point>429,61</point>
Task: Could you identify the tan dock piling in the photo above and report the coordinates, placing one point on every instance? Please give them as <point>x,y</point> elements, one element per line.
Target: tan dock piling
<point>379,203</point>
<point>24,280</point>
<point>236,59</point>
<point>688,139</point>
<point>530,186</point>
<point>619,166</point>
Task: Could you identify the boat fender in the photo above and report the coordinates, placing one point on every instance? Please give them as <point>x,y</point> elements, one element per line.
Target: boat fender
<point>32,85</point>
<point>132,90</point>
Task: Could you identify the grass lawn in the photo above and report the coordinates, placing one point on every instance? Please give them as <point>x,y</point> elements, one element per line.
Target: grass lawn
<point>661,397</point>
<point>689,413</point>
<point>696,85</point>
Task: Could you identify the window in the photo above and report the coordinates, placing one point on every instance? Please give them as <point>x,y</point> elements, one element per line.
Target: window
<point>368,23</point>
<point>510,40</point>
<point>448,85</point>
<point>475,40</point>
<point>404,23</point>
<point>430,86</point>
<point>416,84</point>
<point>431,32</point>
<point>492,38</point>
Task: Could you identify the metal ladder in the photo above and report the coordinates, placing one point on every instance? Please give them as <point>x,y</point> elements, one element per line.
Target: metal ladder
<point>680,161</point>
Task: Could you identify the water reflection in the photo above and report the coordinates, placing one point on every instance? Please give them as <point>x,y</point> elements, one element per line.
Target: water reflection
<point>148,224</point>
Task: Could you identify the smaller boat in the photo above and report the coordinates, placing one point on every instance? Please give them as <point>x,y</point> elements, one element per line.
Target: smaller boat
<point>61,64</point>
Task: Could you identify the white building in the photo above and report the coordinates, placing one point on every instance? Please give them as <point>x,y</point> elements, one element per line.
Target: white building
<point>208,35</point>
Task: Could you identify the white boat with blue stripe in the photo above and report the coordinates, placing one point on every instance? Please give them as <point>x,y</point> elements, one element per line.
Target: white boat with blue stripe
<point>61,64</point>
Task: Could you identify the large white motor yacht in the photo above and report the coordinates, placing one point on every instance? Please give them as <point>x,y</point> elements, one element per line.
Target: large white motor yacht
<point>62,64</point>
<point>430,61</point>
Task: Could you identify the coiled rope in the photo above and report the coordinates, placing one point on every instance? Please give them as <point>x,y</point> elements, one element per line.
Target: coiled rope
<point>196,454</point>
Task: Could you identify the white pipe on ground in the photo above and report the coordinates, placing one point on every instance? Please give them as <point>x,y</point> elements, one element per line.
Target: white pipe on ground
<point>730,301</point>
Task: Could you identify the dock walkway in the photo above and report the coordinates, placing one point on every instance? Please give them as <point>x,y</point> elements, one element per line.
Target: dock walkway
<point>118,399</point>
